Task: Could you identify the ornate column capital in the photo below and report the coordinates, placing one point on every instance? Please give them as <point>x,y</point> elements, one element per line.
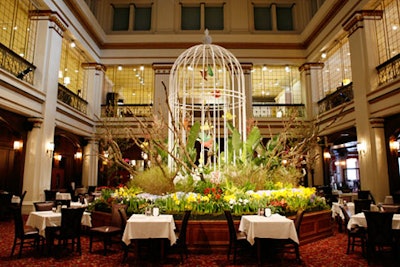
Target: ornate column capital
<point>36,122</point>
<point>357,18</point>
<point>311,65</point>
<point>162,68</point>
<point>95,66</point>
<point>58,23</point>
<point>377,122</point>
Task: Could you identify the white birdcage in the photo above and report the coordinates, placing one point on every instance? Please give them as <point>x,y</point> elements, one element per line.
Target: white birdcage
<point>207,85</point>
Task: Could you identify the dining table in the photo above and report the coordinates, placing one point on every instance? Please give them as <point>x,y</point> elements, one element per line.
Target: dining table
<point>141,226</point>
<point>43,219</point>
<point>359,219</point>
<point>259,227</point>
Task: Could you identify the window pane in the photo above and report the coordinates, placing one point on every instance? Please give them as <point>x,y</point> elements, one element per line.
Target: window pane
<point>214,18</point>
<point>262,19</point>
<point>142,19</point>
<point>284,18</point>
<point>121,19</point>
<point>190,18</point>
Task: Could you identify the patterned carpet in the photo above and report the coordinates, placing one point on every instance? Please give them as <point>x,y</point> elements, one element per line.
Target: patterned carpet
<point>327,252</point>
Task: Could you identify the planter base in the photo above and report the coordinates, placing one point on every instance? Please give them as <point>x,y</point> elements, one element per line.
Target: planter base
<point>212,235</point>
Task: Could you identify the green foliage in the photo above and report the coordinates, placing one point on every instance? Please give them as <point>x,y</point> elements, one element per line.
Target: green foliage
<point>154,181</point>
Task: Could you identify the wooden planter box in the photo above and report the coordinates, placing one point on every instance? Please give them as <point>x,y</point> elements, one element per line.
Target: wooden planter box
<point>211,235</point>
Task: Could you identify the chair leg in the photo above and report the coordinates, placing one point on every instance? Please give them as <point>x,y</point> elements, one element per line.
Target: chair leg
<point>229,250</point>
<point>21,244</point>
<point>13,247</point>
<point>296,247</point>
<point>90,242</point>
<point>348,244</point>
<point>105,242</point>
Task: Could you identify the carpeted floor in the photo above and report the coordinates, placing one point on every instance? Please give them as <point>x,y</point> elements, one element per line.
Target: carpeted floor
<point>327,252</point>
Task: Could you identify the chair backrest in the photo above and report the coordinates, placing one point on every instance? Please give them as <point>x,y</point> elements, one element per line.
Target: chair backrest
<point>115,217</point>
<point>22,198</point>
<point>71,220</point>
<point>297,221</point>
<point>365,194</point>
<point>123,216</point>
<point>379,227</point>
<point>346,216</point>
<point>18,222</point>
<point>361,205</point>
<point>50,195</point>
<point>231,225</point>
<point>43,206</point>
<point>185,220</point>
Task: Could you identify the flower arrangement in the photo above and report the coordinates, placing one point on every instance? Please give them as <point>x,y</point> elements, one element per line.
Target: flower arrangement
<point>214,198</point>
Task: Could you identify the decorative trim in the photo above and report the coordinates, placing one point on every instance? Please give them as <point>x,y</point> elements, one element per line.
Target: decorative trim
<point>353,23</point>
<point>186,45</point>
<point>329,16</point>
<point>36,122</point>
<point>58,23</point>
<point>377,122</point>
<point>94,65</point>
<point>310,65</point>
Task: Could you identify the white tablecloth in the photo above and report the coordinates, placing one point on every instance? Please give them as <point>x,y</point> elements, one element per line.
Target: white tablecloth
<point>140,226</point>
<point>276,227</point>
<point>359,219</point>
<point>43,219</point>
<point>63,196</point>
<point>337,211</point>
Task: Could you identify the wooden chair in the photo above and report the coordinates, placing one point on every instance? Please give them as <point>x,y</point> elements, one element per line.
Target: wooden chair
<point>361,204</point>
<point>24,236</point>
<point>356,236</point>
<point>44,206</point>
<point>107,232</point>
<point>50,195</point>
<point>70,229</point>
<point>366,194</point>
<point>289,246</point>
<point>236,238</point>
<point>379,233</point>
<point>181,236</point>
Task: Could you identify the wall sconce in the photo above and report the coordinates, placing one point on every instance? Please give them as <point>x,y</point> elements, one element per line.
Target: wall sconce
<point>323,55</point>
<point>279,114</point>
<point>327,154</point>
<point>58,157</point>
<point>78,155</point>
<point>394,145</point>
<point>361,147</point>
<point>18,145</point>
<point>50,149</point>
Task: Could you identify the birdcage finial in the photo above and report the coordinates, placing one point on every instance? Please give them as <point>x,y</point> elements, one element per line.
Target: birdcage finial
<point>207,38</point>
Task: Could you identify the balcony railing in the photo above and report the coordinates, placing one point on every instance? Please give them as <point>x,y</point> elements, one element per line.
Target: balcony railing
<point>272,110</point>
<point>127,110</point>
<point>15,64</point>
<point>71,99</point>
<point>389,70</point>
<point>342,95</point>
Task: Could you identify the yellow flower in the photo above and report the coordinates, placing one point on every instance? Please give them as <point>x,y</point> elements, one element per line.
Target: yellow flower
<point>205,199</point>
<point>228,116</point>
<point>228,198</point>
